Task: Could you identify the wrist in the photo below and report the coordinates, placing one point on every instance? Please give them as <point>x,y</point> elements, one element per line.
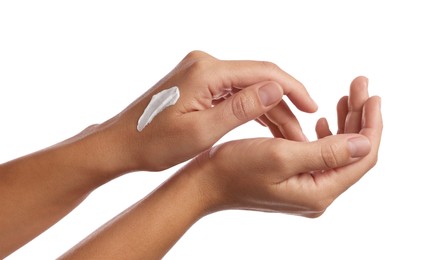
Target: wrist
<point>200,172</point>
<point>96,152</point>
<point>163,216</point>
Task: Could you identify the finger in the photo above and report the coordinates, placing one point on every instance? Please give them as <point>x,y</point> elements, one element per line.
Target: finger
<point>263,120</point>
<point>372,124</point>
<point>247,104</point>
<point>322,128</point>
<point>258,120</point>
<point>276,132</point>
<point>286,121</point>
<point>357,97</point>
<point>330,152</point>
<point>283,123</point>
<point>372,127</point>
<point>240,74</point>
<point>341,114</point>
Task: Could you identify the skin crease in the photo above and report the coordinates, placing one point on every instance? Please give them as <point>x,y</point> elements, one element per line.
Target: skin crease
<point>263,174</point>
<point>39,189</point>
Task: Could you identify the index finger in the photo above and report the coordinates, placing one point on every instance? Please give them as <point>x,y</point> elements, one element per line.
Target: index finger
<point>242,73</point>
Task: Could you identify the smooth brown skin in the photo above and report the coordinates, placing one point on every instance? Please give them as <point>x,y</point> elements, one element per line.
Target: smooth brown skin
<point>39,189</point>
<point>266,174</point>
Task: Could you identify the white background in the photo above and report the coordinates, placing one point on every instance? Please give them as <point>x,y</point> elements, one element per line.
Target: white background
<point>67,64</point>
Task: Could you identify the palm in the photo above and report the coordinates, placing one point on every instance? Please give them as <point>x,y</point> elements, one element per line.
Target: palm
<point>357,113</point>
<point>301,178</point>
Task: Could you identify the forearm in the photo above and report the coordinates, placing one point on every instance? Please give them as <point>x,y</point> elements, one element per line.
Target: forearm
<point>39,189</point>
<point>148,229</point>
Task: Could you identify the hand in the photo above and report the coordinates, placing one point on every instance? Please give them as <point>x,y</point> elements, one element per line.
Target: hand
<point>298,178</point>
<point>258,174</point>
<point>215,97</point>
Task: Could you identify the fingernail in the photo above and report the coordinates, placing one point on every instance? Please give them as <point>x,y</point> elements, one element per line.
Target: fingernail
<point>358,146</point>
<point>269,94</point>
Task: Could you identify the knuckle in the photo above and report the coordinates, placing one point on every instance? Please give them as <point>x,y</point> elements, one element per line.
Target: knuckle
<point>242,107</point>
<point>374,160</point>
<point>329,155</point>
<point>278,155</point>
<point>270,65</point>
<point>198,68</point>
<point>195,54</point>
<point>318,207</point>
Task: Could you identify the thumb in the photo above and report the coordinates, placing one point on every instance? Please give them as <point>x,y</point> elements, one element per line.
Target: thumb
<point>332,152</point>
<point>247,104</point>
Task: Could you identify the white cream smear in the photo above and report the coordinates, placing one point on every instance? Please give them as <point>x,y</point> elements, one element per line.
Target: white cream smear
<point>158,103</point>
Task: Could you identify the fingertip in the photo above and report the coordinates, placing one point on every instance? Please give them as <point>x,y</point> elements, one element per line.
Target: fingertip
<point>342,110</point>
<point>343,100</point>
<point>322,128</point>
<point>321,122</point>
<point>373,102</point>
<point>270,93</point>
<point>313,106</point>
<point>299,96</point>
<point>378,101</point>
<point>372,116</point>
<point>359,88</point>
<point>342,106</point>
<point>358,146</point>
<point>362,80</point>
<point>362,77</point>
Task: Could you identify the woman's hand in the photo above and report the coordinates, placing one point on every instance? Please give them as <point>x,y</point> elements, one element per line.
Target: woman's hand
<point>259,174</point>
<point>215,97</point>
<point>301,178</point>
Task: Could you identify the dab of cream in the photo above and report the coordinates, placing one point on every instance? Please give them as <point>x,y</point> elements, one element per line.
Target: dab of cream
<point>159,101</point>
